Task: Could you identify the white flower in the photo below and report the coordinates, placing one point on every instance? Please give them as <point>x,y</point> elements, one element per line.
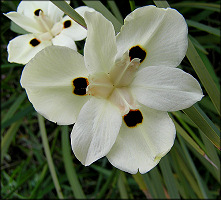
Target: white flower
<point>46,25</point>
<point>119,93</point>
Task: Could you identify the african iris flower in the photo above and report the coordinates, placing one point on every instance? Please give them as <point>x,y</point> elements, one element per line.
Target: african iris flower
<point>46,26</point>
<point>117,94</point>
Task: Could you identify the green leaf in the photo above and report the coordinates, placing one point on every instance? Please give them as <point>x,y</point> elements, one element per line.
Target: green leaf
<point>199,179</point>
<point>69,166</point>
<point>209,68</point>
<point>22,113</point>
<point>121,186</point>
<point>157,183</point>
<point>212,153</point>
<point>203,27</point>
<point>115,11</point>
<point>200,5</point>
<point>191,142</point>
<point>132,5</point>
<point>28,176</point>
<point>98,6</point>
<point>107,184</point>
<point>204,75</point>
<point>67,9</point>
<point>142,185</point>
<point>183,172</point>
<point>161,3</point>
<point>204,124</point>
<point>14,107</point>
<point>41,179</point>
<point>8,137</point>
<point>198,45</point>
<point>169,177</point>
<point>10,65</point>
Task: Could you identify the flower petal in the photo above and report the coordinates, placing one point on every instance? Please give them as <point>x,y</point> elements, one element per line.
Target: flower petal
<point>166,88</point>
<point>63,40</point>
<point>141,147</point>
<point>25,22</point>
<point>82,9</point>
<point>162,33</point>
<point>24,47</point>
<point>55,13</point>
<point>76,31</point>
<point>95,131</point>
<point>73,30</point>
<point>28,9</point>
<point>100,47</point>
<point>48,81</point>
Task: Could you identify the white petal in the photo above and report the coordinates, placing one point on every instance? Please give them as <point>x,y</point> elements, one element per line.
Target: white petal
<point>54,13</point>
<point>82,9</point>
<point>25,22</point>
<point>100,47</point>
<point>21,51</point>
<point>141,147</point>
<point>75,31</point>
<point>63,40</point>
<point>166,88</point>
<point>28,8</point>
<point>48,80</point>
<point>95,131</point>
<point>162,33</point>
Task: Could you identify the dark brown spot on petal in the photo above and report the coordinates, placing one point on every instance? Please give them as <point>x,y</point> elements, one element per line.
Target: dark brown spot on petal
<point>137,52</point>
<point>67,23</point>
<point>133,118</point>
<point>34,42</point>
<point>80,84</point>
<point>37,12</point>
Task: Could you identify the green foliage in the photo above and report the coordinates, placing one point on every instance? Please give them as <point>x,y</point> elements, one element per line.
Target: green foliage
<point>35,165</point>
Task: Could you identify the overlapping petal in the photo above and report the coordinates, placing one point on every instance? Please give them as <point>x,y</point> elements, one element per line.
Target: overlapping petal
<point>76,31</point>
<point>63,40</point>
<point>141,147</point>
<point>55,14</point>
<point>95,130</point>
<point>100,47</point>
<point>166,88</point>
<point>21,51</point>
<point>25,22</point>
<point>161,32</point>
<point>28,8</point>
<point>48,80</point>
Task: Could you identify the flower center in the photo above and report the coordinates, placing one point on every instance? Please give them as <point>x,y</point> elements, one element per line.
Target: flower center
<point>49,29</point>
<point>115,86</point>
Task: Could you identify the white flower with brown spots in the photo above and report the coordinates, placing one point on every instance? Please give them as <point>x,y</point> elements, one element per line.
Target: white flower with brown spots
<point>46,26</point>
<point>119,92</point>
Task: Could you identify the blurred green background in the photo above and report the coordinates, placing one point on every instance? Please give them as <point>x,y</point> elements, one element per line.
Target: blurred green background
<point>191,170</point>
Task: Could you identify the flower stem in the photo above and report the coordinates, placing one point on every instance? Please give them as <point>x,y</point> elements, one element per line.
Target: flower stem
<point>69,167</point>
<point>48,156</point>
